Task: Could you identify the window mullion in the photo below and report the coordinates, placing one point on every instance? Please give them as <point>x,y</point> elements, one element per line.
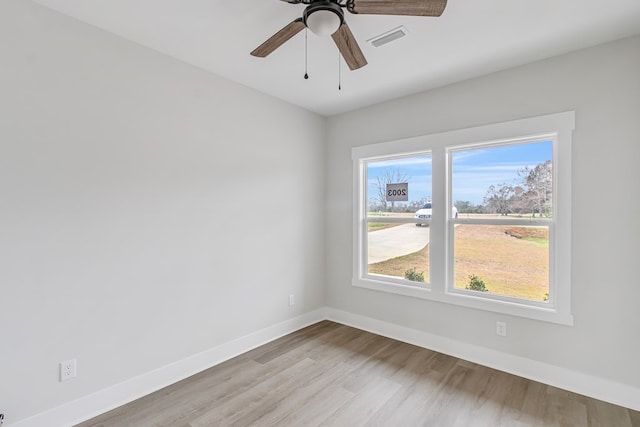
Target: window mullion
<point>437,241</point>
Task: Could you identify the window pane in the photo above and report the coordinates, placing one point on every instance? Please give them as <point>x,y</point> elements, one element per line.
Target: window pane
<point>398,187</point>
<point>506,180</point>
<point>398,250</point>
<point>509,260</point>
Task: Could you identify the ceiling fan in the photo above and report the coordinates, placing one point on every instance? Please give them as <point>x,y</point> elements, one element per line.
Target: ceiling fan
<point>326,17</point>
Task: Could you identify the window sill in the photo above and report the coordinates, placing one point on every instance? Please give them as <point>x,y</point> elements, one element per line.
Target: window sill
<point>415,291</point>
<point>545,314</point>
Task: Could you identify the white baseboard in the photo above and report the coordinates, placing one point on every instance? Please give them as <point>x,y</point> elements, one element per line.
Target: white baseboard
<point>104,400</point>
<point>577,382</point>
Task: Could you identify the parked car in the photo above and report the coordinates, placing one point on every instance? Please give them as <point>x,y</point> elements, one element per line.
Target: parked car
<point>425,213</point>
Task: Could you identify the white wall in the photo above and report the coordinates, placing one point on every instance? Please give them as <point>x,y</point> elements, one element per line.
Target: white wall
<point>149,211</point>
<point>602,85</point>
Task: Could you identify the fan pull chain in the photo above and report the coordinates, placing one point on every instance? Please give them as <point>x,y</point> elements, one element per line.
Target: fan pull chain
<point>306,56</point>
<point>339,73</point>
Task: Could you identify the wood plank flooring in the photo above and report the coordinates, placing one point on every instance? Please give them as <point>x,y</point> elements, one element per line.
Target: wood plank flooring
<point>334,375</point>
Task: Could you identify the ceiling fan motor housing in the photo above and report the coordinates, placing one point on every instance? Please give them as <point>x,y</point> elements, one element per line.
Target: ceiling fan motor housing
<point>323,17</point>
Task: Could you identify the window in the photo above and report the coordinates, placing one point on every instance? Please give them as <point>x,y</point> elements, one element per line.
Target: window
<point>478,217</point>
<point>397,188</point>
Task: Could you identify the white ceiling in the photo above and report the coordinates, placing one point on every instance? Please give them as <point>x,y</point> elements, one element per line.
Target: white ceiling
<point>471,38</point>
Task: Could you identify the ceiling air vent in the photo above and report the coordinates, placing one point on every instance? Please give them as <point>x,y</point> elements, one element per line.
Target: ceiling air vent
<point>388,37</point>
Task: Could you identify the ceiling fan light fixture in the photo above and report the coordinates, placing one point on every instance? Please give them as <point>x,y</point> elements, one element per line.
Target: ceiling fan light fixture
<point>323,17</point>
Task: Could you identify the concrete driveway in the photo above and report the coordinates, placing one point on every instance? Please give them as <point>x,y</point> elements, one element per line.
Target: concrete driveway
<point>396,241</point>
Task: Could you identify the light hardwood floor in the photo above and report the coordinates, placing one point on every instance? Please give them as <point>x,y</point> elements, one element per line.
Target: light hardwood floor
<point>334,375</point>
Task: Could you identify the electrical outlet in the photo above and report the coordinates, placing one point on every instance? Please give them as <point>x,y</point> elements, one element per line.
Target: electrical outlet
<point>501,329</point>
<point>68,370</point>
<point>292,300</point>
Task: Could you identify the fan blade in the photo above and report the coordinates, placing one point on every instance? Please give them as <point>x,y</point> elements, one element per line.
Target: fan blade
<point>292,1</point>
<point>399,7</point>
<point>348,47</point>
<point>279,38</point>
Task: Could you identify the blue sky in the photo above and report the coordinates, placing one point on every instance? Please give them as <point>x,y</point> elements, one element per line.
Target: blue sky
<point>474,170</point>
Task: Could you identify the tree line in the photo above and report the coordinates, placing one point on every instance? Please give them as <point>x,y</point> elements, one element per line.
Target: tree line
<point>532,195</point>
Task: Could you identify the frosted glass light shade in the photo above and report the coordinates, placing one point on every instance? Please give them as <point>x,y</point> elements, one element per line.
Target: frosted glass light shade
<point>323,22</point>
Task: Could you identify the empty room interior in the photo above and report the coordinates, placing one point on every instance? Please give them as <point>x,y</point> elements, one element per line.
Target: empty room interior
<point>309,212</point>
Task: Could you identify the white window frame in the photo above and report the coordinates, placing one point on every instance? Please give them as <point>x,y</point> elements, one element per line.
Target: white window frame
<point>556,127</point>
